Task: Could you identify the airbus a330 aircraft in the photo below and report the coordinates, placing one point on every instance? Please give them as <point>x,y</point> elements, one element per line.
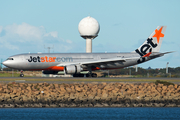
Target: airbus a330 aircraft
<point>75,63</point>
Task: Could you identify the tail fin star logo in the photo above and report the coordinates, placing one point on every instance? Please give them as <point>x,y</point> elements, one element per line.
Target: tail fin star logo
<point>158,34</point>
<point>152,44</point>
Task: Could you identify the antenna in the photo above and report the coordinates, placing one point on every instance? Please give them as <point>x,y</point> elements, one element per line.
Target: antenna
<point>49,48</point>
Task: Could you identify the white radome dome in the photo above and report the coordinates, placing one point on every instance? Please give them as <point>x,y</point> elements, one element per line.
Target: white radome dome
<point>88,26</point>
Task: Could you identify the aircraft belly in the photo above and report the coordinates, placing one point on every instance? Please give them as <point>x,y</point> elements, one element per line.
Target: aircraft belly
<point>38,66</point>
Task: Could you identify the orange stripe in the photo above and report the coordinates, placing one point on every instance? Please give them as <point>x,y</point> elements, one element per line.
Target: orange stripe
<point>147,55</point>
<point>54,68</point>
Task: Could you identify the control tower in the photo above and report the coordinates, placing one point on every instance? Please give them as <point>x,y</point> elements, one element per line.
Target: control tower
<point>88,28</point>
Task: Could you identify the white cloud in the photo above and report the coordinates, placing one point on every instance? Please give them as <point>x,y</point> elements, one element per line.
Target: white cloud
<point>8,45</point>
<point>24,38</point>
<point>53,34</point>
<point>69,41</point>
<point>25,32</point>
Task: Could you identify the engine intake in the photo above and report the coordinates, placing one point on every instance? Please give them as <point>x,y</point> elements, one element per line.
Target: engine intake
<point>72,69</point>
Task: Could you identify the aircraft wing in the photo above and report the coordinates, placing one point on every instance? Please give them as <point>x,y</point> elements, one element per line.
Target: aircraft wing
<point>100,62</point>
<point>106,61</point>
<point>97,63</point>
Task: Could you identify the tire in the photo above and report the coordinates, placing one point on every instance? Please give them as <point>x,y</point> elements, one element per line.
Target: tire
<point>78,75</point>
<point>94,75</point>
<point>87,75</point>
<point>21,75</point>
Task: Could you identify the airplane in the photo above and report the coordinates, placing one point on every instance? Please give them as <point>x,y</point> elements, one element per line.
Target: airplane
<point>75,63</point>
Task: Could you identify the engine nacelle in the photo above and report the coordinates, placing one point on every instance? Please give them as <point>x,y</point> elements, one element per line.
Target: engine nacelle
<point>49,72</point>
<point>72,69</point>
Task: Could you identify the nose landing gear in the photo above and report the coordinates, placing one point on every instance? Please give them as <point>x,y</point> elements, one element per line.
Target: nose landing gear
<point>21,75</point>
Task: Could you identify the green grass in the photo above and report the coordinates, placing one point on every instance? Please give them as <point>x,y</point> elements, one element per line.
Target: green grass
<point>10,74</point>
<point>3,74</point>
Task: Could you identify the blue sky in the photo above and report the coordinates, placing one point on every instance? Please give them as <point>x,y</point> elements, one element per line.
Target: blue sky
<point>26,26</point>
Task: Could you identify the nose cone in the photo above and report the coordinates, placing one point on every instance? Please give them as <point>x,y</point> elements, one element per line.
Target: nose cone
<point>5,63</point>
<point>11,64</point>
<point>8,63</point>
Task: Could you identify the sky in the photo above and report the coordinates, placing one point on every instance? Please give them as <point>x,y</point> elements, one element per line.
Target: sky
<point>32,26</point>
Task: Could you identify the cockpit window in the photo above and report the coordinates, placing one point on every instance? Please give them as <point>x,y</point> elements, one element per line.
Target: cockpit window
<point>10,59</point>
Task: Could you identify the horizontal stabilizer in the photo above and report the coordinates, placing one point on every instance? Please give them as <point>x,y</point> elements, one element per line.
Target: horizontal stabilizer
<point>159,54</point>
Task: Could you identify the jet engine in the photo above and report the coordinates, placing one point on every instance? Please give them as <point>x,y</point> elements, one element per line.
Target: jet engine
<point>49,72</point>
<point>72,69</point>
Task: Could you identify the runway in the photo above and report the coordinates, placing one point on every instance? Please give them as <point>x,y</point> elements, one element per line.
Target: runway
<point>82,79</point>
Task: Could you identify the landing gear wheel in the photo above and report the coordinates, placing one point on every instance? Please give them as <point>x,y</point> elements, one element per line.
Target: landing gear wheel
<point>21,75</point>
<point>87,75</point>
<point>93,75</point>
<point>78,75</point>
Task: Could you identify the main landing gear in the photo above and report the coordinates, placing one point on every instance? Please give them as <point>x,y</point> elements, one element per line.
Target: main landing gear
<point>93,75</point>
<point>85,75</point>
<point>21,74</point>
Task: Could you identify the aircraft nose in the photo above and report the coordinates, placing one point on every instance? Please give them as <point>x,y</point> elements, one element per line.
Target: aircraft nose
<point>10,64</point>
<point>6,63</point>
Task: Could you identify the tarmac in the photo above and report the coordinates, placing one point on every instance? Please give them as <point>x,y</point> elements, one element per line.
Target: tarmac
<point>83,79</point>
